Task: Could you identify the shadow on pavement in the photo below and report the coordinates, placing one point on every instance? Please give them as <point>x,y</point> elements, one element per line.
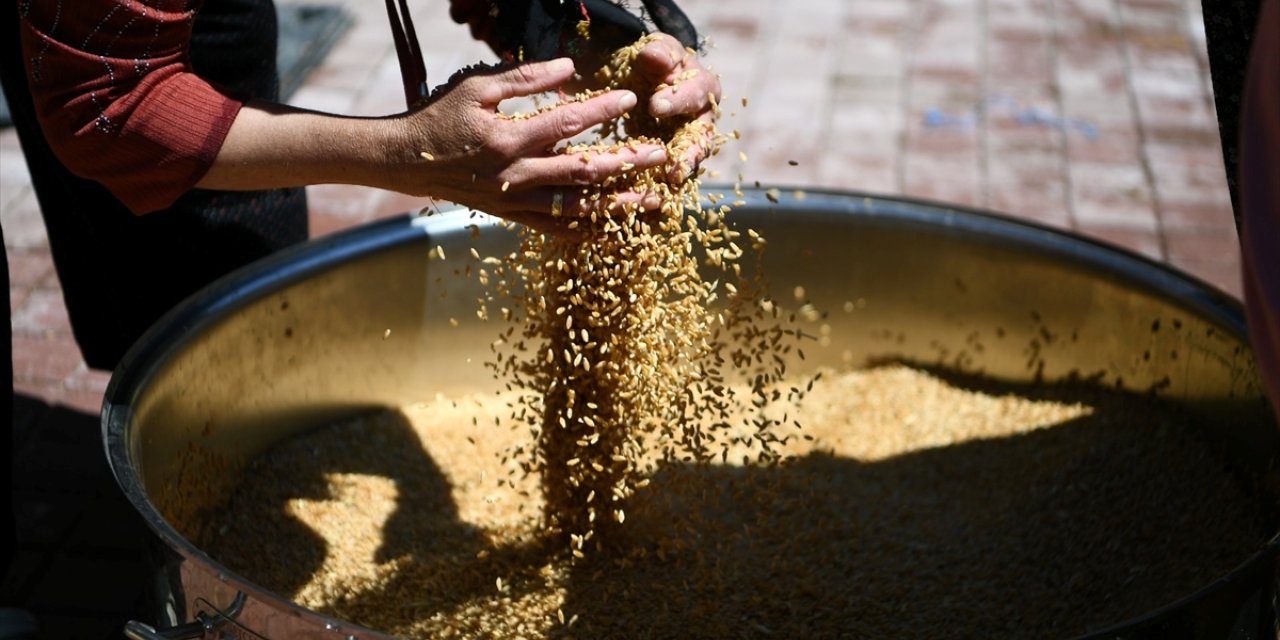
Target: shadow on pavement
<point>80,555</point>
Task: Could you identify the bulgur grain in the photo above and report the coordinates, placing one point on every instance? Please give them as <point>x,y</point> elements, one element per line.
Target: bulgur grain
<point>919,504</point>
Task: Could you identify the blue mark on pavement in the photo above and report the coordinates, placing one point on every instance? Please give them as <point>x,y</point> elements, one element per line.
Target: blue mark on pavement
<point>1003,106</point>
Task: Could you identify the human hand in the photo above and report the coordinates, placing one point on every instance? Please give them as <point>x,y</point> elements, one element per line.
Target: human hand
<point>464,151</point>
<point>685,88</point>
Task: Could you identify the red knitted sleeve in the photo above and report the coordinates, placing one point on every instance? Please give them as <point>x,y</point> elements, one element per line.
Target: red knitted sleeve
<point>116,97</point>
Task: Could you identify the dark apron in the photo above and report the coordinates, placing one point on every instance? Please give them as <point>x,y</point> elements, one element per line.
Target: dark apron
<point>120,272</point>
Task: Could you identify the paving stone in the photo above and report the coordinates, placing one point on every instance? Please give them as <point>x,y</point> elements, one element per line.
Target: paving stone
<point>1160,149</point>
<point>1044,202</point>
<point>1157,110</point>
<point>1223,274</point>
<point>17,298</point>
<point>1195,216</point>
<point>770,158</point>
<point>338,206</point>
<point>42,360</point>
<point>954,143</point>
<point>1148,16</point>
<point>82,391</point>
<point>1145,242</point>
<point>1093,11</point>
<point>1164,50</point>
<point>881,122</point>
<point>1124,215</point>
<point>42,313</point>
<point>730,30</point>
<point>27,269</point>
<point>1103,108</point>
<point>1109,145</point>
<point>855,92</point>
<point>1182,84</point>
<point>324,99</point>
<point>1199,246</point>
<point>14,177</point>
<point>952,101</point>
<point>1190,183</point>
<point>324,223</point>
<point>1028,168</point>
<point>1014,55</point>
<point>858,172</point>
<point>1110,180</point>
<point>952,179</point>
<point>9,139</point>
<point>85,400</point>
<point>340,74</point>
<point>23,226</point>
<point>395,204</point>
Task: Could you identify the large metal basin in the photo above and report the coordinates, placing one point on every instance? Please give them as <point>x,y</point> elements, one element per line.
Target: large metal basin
<point>298,339</point>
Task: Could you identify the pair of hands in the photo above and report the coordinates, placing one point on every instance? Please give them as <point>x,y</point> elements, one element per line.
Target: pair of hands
<point>505,167</point>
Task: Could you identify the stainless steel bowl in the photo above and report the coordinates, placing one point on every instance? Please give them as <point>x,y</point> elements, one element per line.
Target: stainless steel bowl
<point>302,338</point>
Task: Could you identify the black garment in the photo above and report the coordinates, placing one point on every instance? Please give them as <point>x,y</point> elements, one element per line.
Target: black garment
<point>544,29</point>
<point>120,272</point>
<point>1229,26</point>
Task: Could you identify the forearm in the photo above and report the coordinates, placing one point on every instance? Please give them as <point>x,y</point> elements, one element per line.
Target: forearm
<point>271,146</point>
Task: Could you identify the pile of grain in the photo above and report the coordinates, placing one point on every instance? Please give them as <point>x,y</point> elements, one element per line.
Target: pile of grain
<point>918,506</point>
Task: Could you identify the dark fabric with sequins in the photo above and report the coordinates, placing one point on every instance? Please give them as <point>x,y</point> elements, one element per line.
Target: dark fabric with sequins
<point>545,29</point>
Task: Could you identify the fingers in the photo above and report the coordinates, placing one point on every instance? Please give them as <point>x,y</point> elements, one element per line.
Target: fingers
<point>697,93</point>
<point>689,159</point>
<point>662,56</point>
<point>525,80</point>
<point>572,118</point>
<point>586,168</point>
<point>691,88</point>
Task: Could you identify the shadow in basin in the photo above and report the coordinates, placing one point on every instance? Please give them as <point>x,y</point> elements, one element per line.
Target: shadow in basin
<point>1050,533</point>
<point>333,474</point>
<point>1054,532</point>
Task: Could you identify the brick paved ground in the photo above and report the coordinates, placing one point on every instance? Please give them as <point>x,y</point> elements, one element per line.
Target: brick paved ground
<point>1089,115</point>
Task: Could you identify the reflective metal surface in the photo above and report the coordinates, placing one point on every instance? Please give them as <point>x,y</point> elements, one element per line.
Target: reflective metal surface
<point>363,319</point>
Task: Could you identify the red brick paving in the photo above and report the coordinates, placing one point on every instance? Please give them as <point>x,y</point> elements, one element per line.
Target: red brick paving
<point>1089,115</point>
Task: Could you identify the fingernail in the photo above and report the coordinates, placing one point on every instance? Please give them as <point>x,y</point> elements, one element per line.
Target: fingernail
<point>627,101</point>
<point>560,65</point>
<point>657,156</point>
<point>661,107</point>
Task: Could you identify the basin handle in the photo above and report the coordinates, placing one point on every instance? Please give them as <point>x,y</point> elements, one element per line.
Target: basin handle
<point>204,623</point>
